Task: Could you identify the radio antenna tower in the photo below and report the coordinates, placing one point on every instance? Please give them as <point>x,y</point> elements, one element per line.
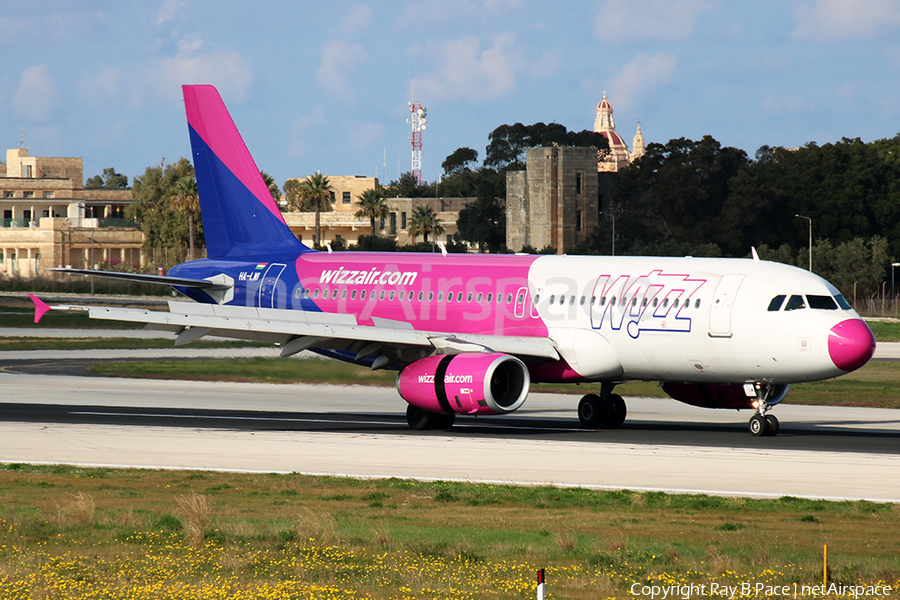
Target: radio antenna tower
<point>417,121</point>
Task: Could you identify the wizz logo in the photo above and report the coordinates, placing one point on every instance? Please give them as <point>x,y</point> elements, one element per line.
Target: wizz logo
<point>654,302</point>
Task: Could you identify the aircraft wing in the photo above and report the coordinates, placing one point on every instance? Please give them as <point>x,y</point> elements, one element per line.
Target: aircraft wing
<point>297,330</point>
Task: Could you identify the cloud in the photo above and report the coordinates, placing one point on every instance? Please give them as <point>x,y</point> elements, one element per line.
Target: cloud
<point>830,20</point>
<point>630,21</point>
<point>102,88</point>
<point>229,71</point>
<point>356,20</point>
<point>35,95</point>
<point>298,144</point>
<point>338,62</point>
<point>470,72</point>
<point>644,73</point>
<point>169,11</point>
<point>435,11</point>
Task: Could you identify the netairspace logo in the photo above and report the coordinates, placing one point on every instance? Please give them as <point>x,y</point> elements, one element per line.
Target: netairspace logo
<point>764,590</point>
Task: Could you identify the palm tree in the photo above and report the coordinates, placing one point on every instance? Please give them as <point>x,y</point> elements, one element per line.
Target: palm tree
<point>372,206</point>
<point>317,189</point>
<point>424,221</point>
<point>273,187</point>
<point>187,200</point>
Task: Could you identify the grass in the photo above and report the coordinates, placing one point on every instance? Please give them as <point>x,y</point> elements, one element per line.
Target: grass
<point>69,532</point>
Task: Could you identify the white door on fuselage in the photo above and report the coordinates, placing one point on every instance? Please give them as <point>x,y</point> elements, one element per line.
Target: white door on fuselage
<point>723,301</point>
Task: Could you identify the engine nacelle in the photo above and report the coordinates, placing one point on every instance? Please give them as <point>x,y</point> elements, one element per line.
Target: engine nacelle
<point>720,395</point>
<point>468,383</point>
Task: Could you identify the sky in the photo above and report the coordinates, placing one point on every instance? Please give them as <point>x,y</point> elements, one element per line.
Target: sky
<point>326,86</point>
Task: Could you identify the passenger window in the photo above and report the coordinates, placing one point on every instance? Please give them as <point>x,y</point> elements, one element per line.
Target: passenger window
<point>381,295</point>
<point>353,295</point>
<point>665,302</point>
<point>562,300</point>
<point>697,303</point>
<point>430,296</point>
<point>675,303</point>
<point>401,295</point>
<point>520,299</point>
<point>344,294</point>
<point>421,295</point>
<point>509,298</point>
<point>459,296</point>
<point>777,301</point>
<point>821,302</point>
<point>362,295</point>
<point>334,294</point>
<point>795,303</point>
<point>392,296</point>
<point>469,297</point>
<point>491,295</point>
<point>612,301</point>
<point>593,300</point>
<point>306,293</point>
<point>644,303</point>
<point>581,302</point>
<point>552,298</point>
<point>479,297</point>
<point>655,302</point>
<point>440,296</point>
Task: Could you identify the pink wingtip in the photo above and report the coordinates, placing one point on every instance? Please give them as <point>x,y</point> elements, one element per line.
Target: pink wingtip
<point>40,308</point>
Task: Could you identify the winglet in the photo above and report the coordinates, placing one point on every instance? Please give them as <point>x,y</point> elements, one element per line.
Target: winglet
<point>754,254</point>
<point>40,307</point>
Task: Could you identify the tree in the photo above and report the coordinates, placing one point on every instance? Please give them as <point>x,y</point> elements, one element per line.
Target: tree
<point>273,187</point>
<point>162,225</point>
<point>459,161</point>
<point>424,221</point>
<point>483,222</point>
<point>109,181</point>
<point>372,206</point>
<point>317,190</point>
<point>186,200</point>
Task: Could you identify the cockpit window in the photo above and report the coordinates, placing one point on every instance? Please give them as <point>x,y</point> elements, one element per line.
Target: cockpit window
<point>842,302</point>
<point>822,302</point>
<point>776,303</point>
<point>795,302</point>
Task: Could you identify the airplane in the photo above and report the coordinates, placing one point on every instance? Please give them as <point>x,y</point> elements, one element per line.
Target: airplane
<point>468,334</point>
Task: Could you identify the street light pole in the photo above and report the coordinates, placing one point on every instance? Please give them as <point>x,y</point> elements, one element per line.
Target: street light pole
<point>896,264</point>
<point>810,239</point>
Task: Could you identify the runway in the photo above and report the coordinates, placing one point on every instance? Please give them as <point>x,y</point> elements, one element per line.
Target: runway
<point>822,452</point>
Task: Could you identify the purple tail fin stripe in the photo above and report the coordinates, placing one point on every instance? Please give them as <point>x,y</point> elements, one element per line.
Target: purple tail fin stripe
<point>207,114</point>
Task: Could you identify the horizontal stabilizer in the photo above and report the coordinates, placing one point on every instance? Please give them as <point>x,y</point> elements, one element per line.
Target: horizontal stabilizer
<point>142,278</point>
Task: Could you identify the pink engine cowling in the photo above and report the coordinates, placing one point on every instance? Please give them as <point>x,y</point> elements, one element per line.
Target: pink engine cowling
<point>468,383</point>
<point>719,395</point>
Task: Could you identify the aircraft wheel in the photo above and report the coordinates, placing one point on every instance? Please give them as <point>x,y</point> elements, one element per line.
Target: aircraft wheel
<point>591,411</point>
<point>773,424</point>
<point>419,418</point>
<point>758,425</point>
<point>617,411</point>
<point>442,421</point>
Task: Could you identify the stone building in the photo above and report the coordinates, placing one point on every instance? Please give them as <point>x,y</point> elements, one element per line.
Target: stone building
<point>555,201</point>
<point>341,223</point>
<point>50,220</point>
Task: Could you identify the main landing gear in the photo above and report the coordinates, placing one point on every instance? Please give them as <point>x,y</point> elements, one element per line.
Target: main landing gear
<point>762,424</point>
<point>421,419</point>
<point>604,410</point>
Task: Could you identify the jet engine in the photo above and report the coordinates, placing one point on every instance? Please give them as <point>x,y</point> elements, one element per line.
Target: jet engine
<point>720,395</point>
<point>468,383</point>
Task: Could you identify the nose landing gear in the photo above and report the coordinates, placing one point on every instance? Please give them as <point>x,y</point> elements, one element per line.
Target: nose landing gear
<point>762,424</point>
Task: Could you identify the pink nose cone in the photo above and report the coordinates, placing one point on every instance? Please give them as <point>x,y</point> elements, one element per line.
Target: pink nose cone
<point>851,344</point>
